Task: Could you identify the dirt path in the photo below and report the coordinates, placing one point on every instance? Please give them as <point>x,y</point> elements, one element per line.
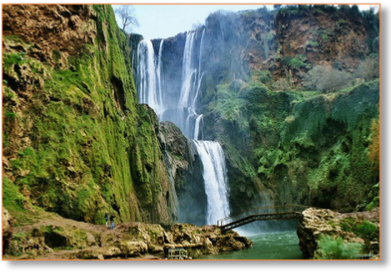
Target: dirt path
<point>52,219</point>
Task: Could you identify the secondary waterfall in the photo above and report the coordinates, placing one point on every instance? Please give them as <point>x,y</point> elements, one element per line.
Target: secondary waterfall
<point>215,179</point>
<point>148,84</point>
<point>184,114</point>
<point>159,72</point>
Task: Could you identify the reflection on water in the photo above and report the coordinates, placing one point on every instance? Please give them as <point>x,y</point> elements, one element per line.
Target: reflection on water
<point>267,246</point>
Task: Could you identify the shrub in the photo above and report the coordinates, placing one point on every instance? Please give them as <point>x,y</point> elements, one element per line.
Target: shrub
<point>374,195</point>
<point>326,79</point>
<point>265,77</point>
<point>374,146</point>
<point>300,61</point>
<point>368,69</point>
<point>281,84</point>
<point>366,230</point>
<point>330,248</point>
<point>362,228</point>
<point>311,43</point>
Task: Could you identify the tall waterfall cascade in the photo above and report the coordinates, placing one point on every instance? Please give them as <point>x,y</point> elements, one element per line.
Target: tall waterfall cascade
<point>148,90</point>
<point>212,157</point>
<point>183,113</point>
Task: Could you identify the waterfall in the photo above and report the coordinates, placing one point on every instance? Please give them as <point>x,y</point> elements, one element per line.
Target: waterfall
<point>191,83</point>
<point>197,127</point>
<point>184,114</point>
<point>214,174</point>
<point>198,90</point>
<point>200,57</point>
<point>159,72</point>
<point>187,71</point>
<point>147,83</point>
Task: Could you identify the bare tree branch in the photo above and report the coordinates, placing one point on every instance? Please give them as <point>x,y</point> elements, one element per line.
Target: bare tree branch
<point>127,16</point>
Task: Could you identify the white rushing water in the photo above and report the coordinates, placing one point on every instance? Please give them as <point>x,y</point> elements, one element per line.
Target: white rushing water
<point>147,85</point>
<point>159,72</point>
<point>197,127</point>
<point>184,115</point>
<point>212,157</point>
<point>188,72</point>
<point>191,84</point>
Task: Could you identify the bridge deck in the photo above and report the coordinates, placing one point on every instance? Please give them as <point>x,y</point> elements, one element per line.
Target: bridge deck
<point>263,214</point>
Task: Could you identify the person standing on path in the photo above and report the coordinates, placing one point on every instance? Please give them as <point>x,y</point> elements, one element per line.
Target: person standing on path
<point>112,221</point>
<point>107,219</point>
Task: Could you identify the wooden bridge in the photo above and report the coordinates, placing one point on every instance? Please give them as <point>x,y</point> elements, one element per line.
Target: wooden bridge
<point>283,212</point>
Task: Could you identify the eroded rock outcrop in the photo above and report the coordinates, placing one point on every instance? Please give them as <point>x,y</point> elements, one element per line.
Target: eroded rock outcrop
<point>52,32</point>
<point>317,223</point>
<point>185,169</point>
<point>76,240</point>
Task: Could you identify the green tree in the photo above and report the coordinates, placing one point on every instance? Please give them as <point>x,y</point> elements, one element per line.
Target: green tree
<point>374,146</point>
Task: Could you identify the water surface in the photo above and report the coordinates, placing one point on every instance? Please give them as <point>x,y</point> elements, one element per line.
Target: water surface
<point>267,246</point>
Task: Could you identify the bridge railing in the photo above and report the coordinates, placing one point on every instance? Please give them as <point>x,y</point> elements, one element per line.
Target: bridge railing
<point>263,210</point>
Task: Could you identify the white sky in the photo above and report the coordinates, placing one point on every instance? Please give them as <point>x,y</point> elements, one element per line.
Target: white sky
<point>162,21</point>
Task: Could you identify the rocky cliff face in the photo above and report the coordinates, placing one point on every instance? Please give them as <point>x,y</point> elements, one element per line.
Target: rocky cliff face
<point>75,140</point>
<point>184,167</point>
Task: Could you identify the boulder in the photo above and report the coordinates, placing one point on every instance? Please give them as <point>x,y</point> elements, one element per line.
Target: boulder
<point>228,243</point>
<point>90,239</point>
<point>98,253</point>
<point>316,223</point>
<point>133,248</point>
<point>208,247</point>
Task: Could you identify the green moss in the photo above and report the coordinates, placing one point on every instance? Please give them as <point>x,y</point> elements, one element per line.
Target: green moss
<point>10,115</point>
<point>88,133</point>
<point>10,59</point>
<point>13,200</point>
<point>300,61</point>
<point>56,55</point>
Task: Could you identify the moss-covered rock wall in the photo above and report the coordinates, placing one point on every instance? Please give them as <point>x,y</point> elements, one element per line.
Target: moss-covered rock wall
<point>75,140</point>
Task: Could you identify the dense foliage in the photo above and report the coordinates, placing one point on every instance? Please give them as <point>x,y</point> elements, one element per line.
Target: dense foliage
<point>330,248</point>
